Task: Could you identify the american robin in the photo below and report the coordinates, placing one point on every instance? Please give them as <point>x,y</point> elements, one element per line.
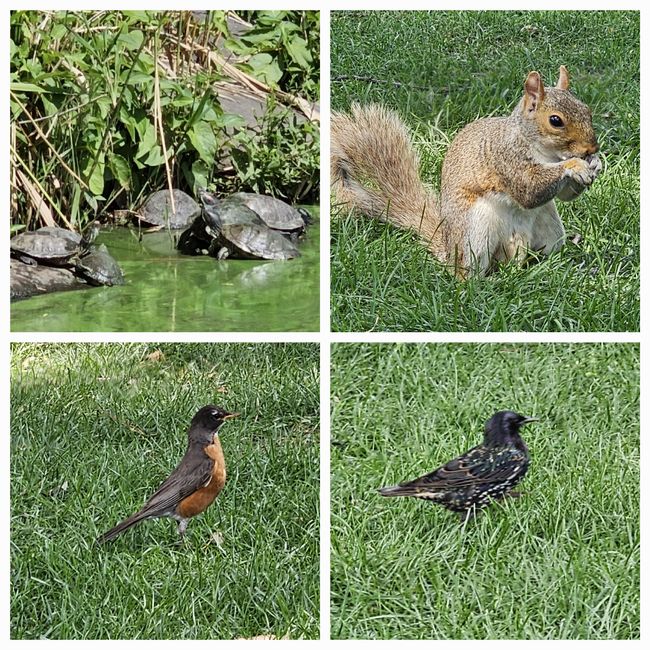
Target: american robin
<point>195,483</point>
<point>488,471</point>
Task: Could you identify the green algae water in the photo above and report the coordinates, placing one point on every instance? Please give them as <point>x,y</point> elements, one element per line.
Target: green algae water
<point>169,292</point>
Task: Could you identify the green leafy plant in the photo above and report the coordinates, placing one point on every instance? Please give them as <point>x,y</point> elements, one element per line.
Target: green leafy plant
<point>106,106</point>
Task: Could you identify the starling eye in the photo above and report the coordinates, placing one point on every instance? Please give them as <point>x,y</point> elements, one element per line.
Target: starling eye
<point>556,121</point>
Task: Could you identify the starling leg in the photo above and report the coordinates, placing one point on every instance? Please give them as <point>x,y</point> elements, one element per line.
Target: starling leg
<point>513,495</point>
<point>468,515</point>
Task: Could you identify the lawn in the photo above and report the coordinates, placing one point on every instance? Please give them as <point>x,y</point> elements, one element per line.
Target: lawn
<point>441,70</point>
<point>562,562</point>
<point>96,428</point>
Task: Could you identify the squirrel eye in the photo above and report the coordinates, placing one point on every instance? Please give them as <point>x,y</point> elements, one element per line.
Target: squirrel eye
<point>556,121</point>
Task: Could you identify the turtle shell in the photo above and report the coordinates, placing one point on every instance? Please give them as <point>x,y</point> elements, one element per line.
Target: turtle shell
<point>157,210</point>
<point>98,267</point>
<point>252,241</point>
<point>49,245</point>
<point>276,214</point>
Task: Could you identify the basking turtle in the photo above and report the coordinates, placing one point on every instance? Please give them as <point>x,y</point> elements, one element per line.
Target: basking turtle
<point>98,267</point>
<point>218,213</point>
<point>48,245</point>
<point>276,214</point>
<point>157,210</point>
<point>252,241</point>
<point>53,246</point>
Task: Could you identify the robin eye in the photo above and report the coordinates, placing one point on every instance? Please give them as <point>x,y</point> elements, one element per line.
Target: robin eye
<point>556,121</point>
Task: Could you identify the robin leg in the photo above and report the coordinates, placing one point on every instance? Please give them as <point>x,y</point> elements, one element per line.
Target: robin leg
<point>182,527</point>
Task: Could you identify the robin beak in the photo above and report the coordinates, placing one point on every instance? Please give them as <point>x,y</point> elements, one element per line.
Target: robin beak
<point>527,420</point>
<point>230,416</point>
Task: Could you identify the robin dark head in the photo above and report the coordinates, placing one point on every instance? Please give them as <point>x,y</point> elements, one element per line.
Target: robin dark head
<point>206,423</point>
<point>502,429</point>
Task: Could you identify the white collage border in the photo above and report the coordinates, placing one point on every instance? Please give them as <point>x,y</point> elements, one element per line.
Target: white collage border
<point>324,336</point>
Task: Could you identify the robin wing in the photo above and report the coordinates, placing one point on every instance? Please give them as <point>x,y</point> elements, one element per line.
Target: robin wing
<point>478,465</point>
<point>192,473</point>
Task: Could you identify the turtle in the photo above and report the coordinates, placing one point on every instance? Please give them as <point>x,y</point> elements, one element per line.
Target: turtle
<point>98,267</point>
<point>276,214</point>
<point>54,246</point>
<point>157,210</point>
<point>252,241</point>
<point>48,245</point>
<point>218,213</point>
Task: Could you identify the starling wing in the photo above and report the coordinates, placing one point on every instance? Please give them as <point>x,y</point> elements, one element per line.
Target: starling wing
<point>471,479</point>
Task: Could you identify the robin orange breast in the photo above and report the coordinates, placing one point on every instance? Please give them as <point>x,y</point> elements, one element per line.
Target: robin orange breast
<point>195,483</point>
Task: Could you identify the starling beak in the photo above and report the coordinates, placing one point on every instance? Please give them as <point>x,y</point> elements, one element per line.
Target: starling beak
<point>485,472</point>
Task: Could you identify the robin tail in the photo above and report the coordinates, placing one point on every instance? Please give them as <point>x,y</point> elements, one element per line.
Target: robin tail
<point>121,527</point>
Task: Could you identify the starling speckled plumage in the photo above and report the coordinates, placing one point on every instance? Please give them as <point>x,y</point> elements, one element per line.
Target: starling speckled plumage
<point>485,472</point>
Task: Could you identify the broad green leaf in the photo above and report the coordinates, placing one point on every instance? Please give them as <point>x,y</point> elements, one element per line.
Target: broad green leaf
<point>155,157</point>
<point>297,48</point>
<point>137,16</point>
<point>22,87</point>
<point>94,173</point>
<point>203,140</point>
<point>139,77</point>
<point>265,68</point>
<point>121,170</point>
<point>261,36</point>
<point>147,139</point>
<point>232,120</point>
<point>200,173</point>
<point>131,40</point>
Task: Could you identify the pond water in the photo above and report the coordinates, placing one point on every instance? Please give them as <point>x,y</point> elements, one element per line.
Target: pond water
<point>169,292</point>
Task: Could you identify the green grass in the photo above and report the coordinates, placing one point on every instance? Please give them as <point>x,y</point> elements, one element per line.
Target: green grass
<point>96,428</point>
<point>562,562</point>
<point>455,67</point>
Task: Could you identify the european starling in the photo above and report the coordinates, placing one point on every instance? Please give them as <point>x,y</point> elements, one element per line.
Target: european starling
<point>485,472</point>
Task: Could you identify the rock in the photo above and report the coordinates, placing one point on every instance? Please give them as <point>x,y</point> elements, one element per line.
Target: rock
<point>31,280</point>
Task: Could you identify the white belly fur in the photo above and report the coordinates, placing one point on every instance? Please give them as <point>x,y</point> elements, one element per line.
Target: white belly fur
<point>501,230</point>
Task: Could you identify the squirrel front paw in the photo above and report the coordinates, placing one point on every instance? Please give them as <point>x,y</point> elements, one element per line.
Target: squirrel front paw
<point>595,164</point>
<point>582,171</point>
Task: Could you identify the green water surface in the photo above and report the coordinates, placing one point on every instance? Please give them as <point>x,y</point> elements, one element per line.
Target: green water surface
<point>168,292</point>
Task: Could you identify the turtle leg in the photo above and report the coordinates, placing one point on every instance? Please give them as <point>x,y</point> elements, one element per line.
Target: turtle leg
<point>223,253</point>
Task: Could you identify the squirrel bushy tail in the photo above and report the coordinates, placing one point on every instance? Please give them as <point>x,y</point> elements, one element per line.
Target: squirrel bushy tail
<point>375,169</point>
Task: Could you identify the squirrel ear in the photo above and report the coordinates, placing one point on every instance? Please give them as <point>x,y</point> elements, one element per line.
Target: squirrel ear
<point>563,79</point>
<point>534,91</point>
